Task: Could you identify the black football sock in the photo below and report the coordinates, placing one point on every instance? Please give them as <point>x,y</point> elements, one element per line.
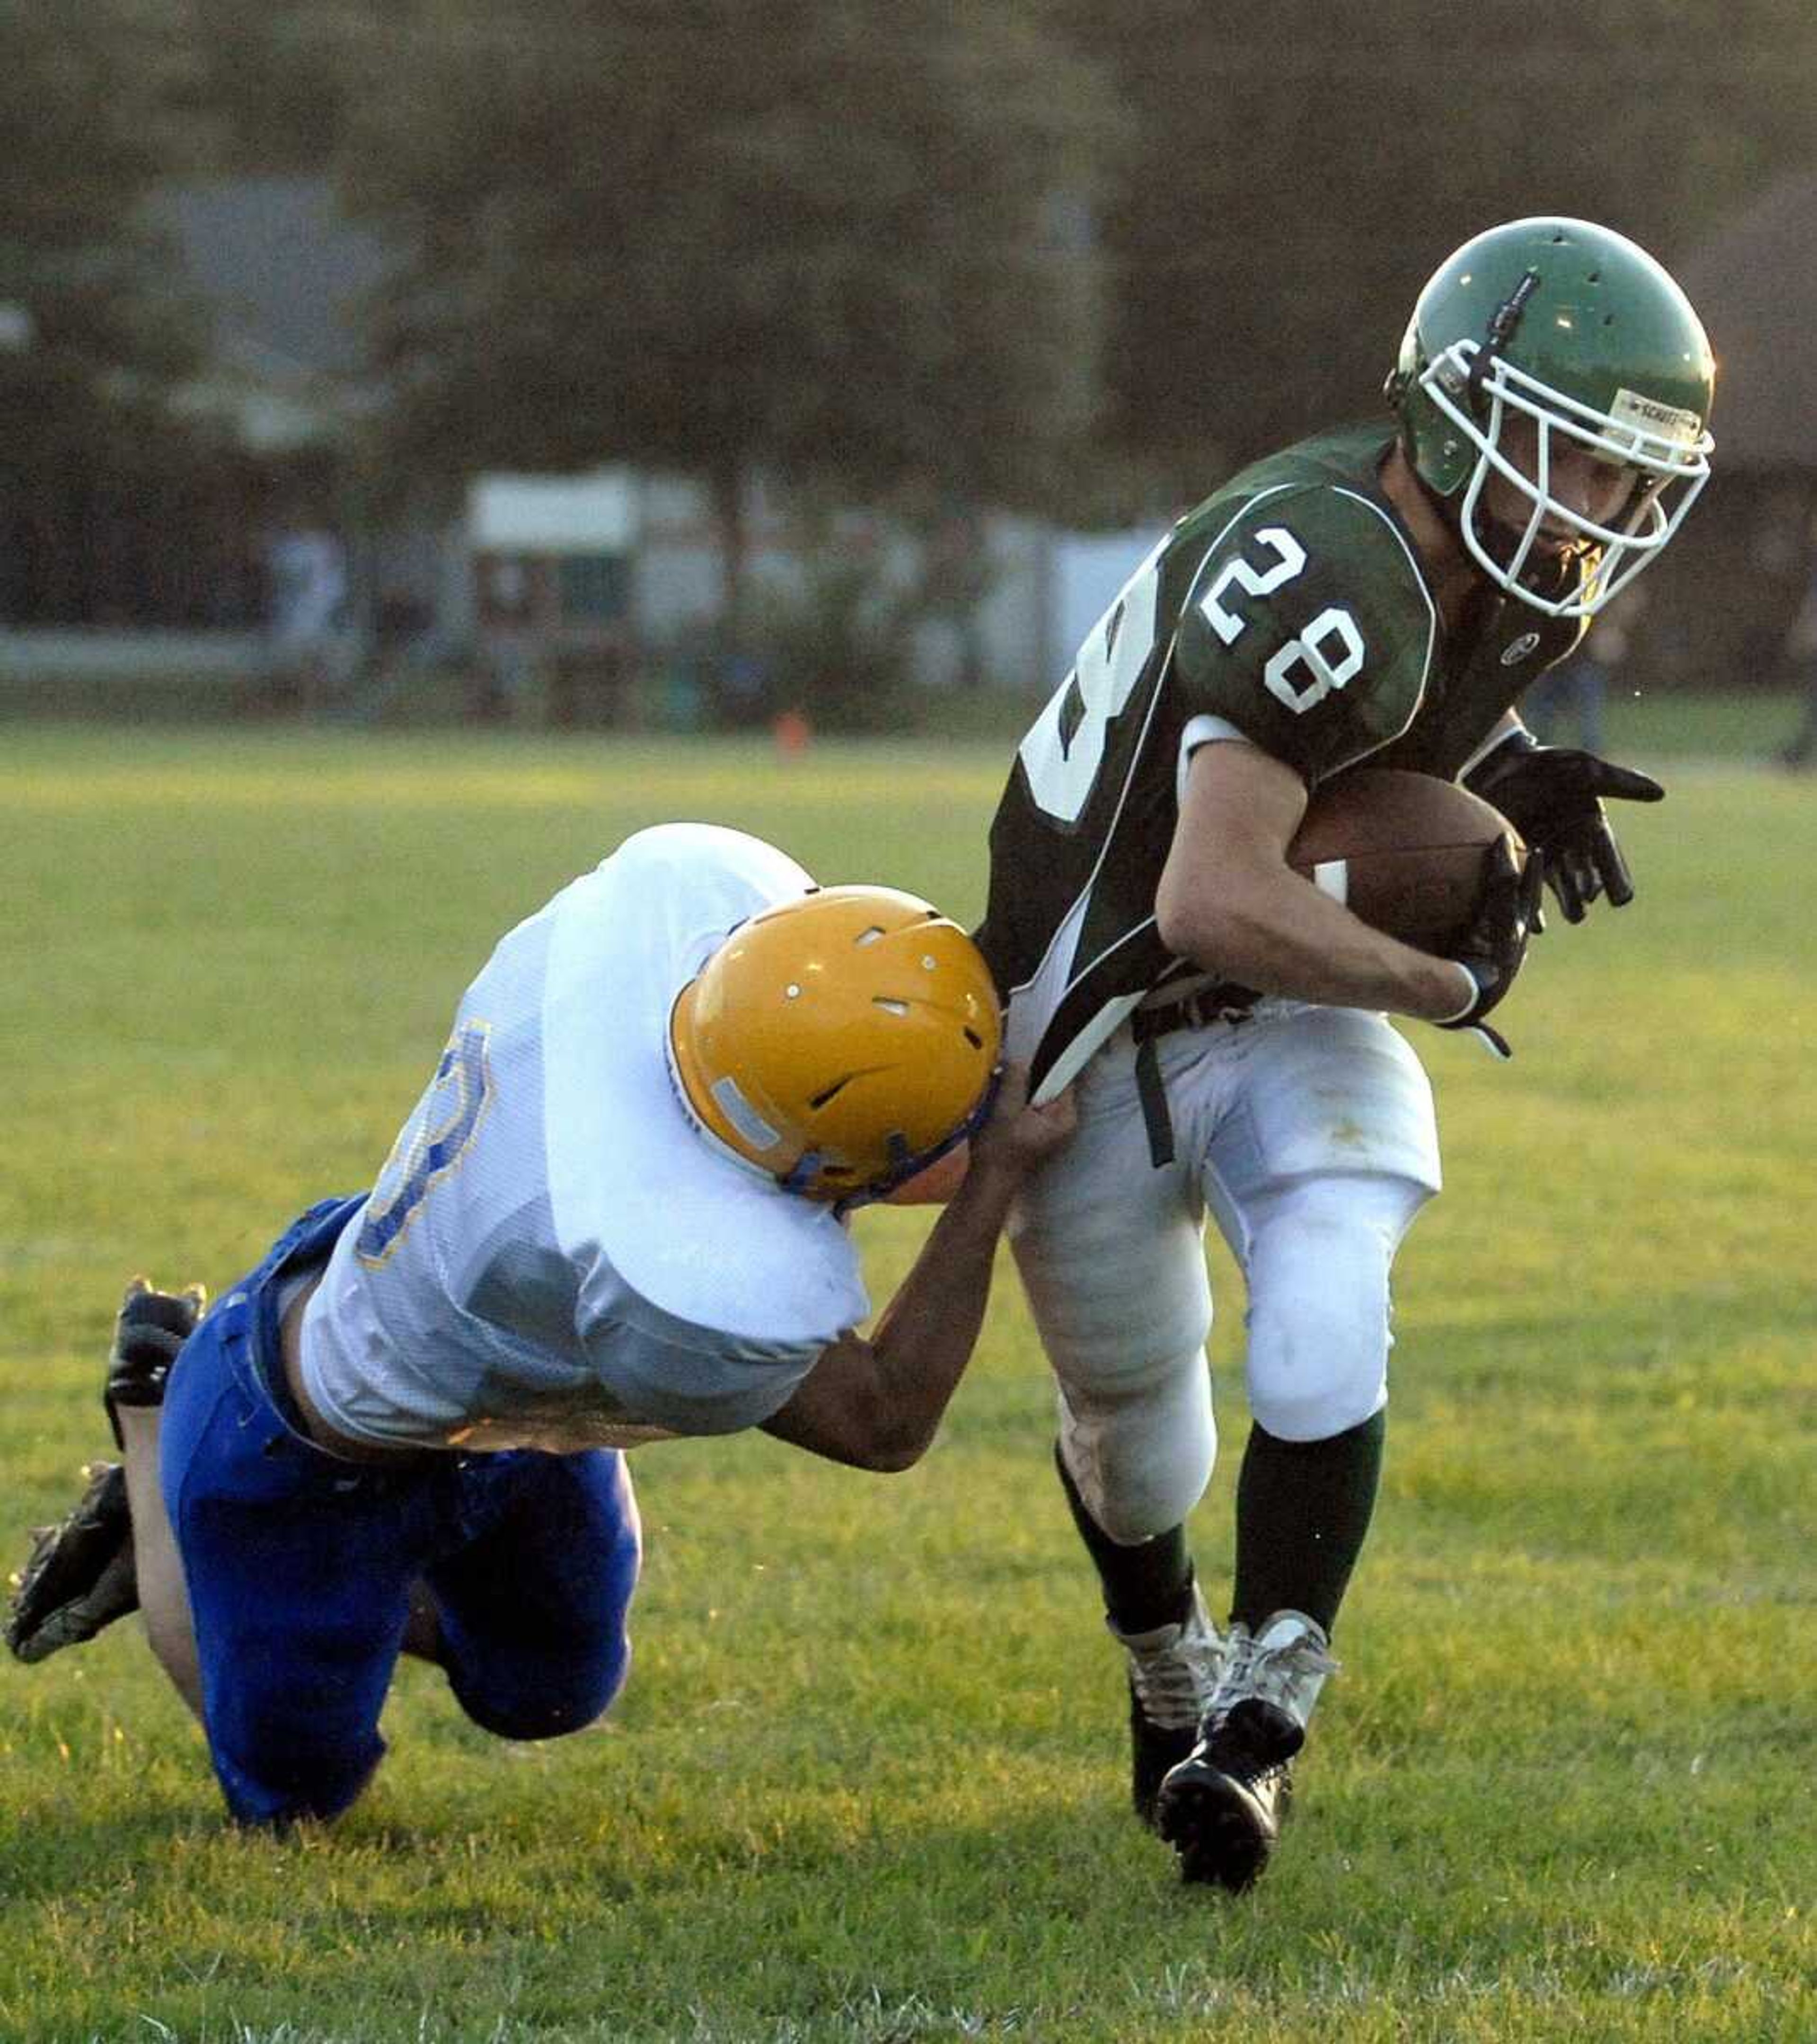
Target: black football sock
<point>1145,1586</point>
<point>1303,1509</point>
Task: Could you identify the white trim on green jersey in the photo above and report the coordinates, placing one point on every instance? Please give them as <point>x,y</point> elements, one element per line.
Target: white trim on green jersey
<point>1414,562</point>
<point>1272,613</point>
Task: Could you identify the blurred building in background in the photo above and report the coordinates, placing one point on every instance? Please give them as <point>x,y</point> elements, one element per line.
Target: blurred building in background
<point>275,572</point>
<point>574,598</point>
<point>1750,553</point>
<point>203,560</point>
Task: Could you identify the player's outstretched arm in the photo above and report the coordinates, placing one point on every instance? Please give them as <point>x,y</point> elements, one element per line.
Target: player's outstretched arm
<point>876,1403</point>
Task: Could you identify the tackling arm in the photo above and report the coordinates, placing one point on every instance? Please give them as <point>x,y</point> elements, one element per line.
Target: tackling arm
<point>876,1403</point>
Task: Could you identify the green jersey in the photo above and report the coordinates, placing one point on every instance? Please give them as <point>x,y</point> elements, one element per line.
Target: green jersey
<point>1291,609</point>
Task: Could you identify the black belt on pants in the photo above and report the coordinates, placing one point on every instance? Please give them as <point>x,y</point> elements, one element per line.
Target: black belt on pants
<point>1225,1002</point>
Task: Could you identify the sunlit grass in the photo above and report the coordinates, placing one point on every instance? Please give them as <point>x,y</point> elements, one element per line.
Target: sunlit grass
<point>866,1781</point>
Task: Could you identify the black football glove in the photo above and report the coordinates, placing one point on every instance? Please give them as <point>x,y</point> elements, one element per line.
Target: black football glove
<point>1494,947</point>
<point>1553,795</point>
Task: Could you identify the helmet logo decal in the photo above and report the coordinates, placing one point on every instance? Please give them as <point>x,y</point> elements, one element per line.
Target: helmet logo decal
<point>1507,314</point>
<point>1648,416</point>
<point>1518,649</point>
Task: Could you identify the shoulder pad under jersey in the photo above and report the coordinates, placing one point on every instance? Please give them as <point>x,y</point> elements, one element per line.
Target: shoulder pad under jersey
<point>1308,626</point>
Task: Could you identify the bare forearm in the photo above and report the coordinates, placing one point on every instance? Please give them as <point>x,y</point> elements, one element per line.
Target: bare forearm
<point>1229,900</point>
<point>875,1403</point>
<point>925,1336</point>
<point>1281,935</point>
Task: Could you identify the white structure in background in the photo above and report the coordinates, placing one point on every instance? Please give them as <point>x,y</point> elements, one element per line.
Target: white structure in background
<point>555,514</point>
<point>613,561</point>
<point>1087,570</point>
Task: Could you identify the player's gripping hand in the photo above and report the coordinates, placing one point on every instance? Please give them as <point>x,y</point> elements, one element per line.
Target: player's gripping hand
<point>1014,1134</point>
<point>1017,1137</point>
<point>1553,795</point>
<point>1495,946</point>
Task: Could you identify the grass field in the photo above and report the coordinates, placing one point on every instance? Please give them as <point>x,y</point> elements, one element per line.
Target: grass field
<point>866,1784</point>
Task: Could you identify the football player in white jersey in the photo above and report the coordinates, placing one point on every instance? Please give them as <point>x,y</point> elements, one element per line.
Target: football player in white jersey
<point>616,1214</point>
<point>1383,593</point>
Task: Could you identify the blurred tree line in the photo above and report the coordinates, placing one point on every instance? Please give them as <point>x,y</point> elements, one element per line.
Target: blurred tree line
<point>91,337</point>
<point>1047,253</point>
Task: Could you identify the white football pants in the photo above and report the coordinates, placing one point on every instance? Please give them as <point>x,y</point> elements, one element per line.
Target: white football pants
<point>1309,1134</point>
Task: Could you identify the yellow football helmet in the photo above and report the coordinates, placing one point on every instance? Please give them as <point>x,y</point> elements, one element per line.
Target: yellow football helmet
<point>838,1041</point>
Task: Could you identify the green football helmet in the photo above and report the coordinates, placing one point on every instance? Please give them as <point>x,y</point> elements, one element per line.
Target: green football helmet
<point>1577,328</point>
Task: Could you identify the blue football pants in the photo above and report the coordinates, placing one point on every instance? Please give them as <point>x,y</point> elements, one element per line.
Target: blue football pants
<point>301,1566</point>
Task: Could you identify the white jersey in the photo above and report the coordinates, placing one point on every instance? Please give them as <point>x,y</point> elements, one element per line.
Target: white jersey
<point>552,1256</point>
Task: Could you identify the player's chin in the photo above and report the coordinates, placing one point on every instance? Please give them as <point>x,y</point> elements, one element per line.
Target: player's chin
<point>1551,561</point>
<point>1502,542</point>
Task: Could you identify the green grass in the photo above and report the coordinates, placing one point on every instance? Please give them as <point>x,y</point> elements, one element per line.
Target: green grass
<point>866,1784</point>
<point>1747,728</point>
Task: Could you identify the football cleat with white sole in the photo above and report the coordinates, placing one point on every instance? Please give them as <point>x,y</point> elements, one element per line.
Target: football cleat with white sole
<point>1173,1676</point>
<point>1221,1808</point>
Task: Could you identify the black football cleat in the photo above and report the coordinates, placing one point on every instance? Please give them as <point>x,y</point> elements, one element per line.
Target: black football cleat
<point>1221,1808</point>
<point>1173,1676</point>
<point>1154,1751</point>
<point>150,1329</point>
<point>79,1576</point>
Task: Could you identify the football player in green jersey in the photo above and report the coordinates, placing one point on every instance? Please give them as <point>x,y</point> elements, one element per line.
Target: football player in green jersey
<point>1382,592</point>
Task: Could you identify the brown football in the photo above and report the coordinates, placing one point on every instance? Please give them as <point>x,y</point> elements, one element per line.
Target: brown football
<point>1403,852</point>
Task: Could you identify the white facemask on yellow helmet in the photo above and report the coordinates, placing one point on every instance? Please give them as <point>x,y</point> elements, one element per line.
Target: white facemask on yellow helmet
<point>838,1042</point>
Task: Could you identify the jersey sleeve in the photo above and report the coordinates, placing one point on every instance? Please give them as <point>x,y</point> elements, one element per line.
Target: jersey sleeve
<point>1307,628</point>
<point>693,1379</point>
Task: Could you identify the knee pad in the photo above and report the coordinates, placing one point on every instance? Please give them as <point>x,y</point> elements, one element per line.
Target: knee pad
<point>1124,1323</point>
<point>1318,1262</point>
<point>1141,1458</point>
<point>541,1682</point>
<point>534,1613</point>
